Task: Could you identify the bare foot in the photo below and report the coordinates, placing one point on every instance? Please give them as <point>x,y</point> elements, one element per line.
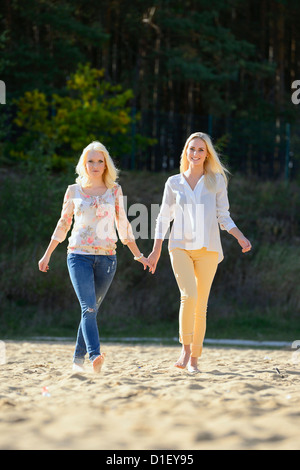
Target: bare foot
<point>184,357</point>
<point>193,365</point>
<point>98,363</point>
<point>78,367</point>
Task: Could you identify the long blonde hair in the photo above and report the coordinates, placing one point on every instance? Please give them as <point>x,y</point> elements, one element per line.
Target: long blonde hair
<point>212,164</point>
<point>110,174</point>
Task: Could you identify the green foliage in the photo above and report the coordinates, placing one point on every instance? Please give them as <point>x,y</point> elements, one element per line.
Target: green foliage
<point>230,60</point>
<point>45,42</point>
<point>238,57</point>
<point>91,109</point>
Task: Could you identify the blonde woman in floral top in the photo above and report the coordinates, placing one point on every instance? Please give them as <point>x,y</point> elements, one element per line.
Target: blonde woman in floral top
<point>96,204</point>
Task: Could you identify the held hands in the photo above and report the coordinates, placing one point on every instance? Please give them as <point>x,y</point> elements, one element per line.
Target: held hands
<point>153,260</point>
<point>149,262</point>
<point>144,262</point>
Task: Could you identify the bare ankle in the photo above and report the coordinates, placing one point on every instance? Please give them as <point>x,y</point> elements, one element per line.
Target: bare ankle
<point>193,361</point>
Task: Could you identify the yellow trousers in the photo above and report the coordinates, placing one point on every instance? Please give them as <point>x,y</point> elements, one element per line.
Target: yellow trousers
<point>194,271</point>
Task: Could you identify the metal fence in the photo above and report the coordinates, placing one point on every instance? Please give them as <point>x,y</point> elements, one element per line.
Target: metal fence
<point>265,149</point>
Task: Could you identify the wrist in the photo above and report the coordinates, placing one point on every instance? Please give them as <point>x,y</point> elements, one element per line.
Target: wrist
<point>138,258</point>
<point>236,233</point>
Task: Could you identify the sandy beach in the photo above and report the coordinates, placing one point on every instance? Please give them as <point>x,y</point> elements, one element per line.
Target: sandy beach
<point>242,399</point>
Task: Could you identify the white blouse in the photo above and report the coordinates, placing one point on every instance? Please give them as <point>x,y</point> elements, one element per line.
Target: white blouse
<point>195,214</point>
<point>95,218</point>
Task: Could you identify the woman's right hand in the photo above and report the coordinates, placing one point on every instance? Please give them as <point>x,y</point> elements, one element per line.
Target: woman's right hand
<point>153,260</point>
<point>44,263</point>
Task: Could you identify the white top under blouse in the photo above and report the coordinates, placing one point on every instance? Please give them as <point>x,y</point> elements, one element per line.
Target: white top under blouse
<point>195,214</point>
<point>95,218</point>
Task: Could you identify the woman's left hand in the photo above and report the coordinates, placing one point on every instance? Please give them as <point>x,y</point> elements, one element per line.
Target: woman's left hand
<point>144,262</point>
<point>245,244</point>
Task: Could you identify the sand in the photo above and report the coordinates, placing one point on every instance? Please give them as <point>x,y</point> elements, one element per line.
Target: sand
<point>140,401</point>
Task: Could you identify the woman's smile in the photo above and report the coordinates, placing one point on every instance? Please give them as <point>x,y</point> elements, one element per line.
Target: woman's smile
<point>196,151</point>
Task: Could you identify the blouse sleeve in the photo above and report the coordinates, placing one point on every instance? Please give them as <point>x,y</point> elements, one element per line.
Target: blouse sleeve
<point>123,225</point>
<point>65,221</point>
<point>223,215</point>
<point>166,213</point>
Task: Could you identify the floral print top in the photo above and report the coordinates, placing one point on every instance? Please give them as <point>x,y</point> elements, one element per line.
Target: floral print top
<point>95,218</point>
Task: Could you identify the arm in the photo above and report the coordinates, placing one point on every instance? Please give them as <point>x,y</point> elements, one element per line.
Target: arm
<point>44,261</point>
<point>164,218</point>
<point>242,240</point>
<point>137,254</point>
<point>155,255</point>
<point>224,219</point>
<point>60,231</point>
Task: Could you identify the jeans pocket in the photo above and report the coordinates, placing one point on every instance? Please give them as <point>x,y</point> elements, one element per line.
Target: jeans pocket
<point>112,257</point>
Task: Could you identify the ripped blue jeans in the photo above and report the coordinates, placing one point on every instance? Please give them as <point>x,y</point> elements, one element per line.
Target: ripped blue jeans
<point>91,276</point>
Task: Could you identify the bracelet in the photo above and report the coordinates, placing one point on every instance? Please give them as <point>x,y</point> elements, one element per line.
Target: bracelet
<point>136,258</point>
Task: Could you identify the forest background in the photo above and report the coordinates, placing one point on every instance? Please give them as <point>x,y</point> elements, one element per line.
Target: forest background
<point>140,76</point>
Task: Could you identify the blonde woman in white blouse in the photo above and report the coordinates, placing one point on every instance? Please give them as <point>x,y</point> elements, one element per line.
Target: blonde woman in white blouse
<point>196,201</point>
<point>96,203</point>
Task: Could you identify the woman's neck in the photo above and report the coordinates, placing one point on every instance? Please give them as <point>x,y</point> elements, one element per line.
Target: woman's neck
<point>97,187</point>
<point>194,172</point>
<point>97,183</point>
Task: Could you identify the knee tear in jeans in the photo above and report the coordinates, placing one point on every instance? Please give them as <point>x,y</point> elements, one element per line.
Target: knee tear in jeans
<point>90,310</point>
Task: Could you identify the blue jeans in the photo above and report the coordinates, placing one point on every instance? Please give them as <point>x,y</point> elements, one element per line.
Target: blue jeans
<point>91,276</point>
